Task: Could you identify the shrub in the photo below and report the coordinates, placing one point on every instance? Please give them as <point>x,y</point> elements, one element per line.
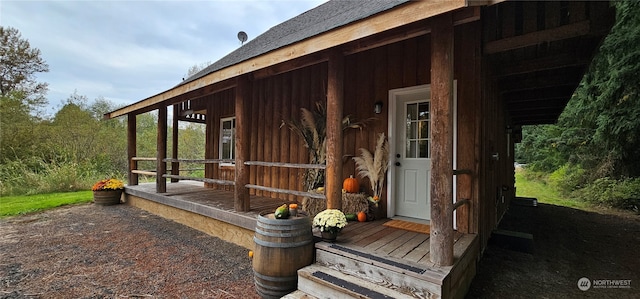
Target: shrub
<point>623,193</point>
<point>34,176</point>
<point>567,178</point>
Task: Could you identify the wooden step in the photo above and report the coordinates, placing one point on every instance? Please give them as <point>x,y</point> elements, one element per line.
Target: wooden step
<point>298,295</point>
<point>322,282</point>
<point>416,281</point>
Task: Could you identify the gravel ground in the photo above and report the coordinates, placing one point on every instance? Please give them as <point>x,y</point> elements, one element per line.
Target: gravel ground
<point>568,244</point>
<point>91,251</point>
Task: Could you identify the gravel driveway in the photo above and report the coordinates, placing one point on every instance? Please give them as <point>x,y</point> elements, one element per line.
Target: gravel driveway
<point>91,251</point>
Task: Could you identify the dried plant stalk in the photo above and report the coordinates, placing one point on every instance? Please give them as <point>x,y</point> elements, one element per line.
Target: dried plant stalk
<point>374,166</point>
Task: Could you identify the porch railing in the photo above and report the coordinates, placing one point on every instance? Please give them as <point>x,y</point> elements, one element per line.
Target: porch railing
<point>153,172</point>
<point>199,179</point>
<point>285,165</point>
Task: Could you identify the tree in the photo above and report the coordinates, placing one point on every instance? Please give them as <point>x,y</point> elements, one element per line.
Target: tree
<point>196,68</point>
<point>20,94</point>
<point>599,130</point>
<point>19,63</point>
<point>601,121</point>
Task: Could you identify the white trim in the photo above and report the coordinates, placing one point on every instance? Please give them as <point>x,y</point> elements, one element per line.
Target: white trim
<point>222,120</point>
<point>391,175</point>
<point>393,95</point>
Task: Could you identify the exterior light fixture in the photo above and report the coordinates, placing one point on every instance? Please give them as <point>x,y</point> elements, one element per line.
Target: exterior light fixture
<point>377,108</point>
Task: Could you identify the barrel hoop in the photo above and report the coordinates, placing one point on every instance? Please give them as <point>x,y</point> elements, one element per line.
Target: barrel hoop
<point>282,226</point>
<point>283,234</point>
<point>281,245</point>
<point>291,221</point>
<point>275,278</point>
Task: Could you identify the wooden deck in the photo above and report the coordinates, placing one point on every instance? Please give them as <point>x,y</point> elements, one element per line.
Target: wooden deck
<point>388,250</point>
<point>372,237</point>
<point>375,238</point>
<point>217,204</point>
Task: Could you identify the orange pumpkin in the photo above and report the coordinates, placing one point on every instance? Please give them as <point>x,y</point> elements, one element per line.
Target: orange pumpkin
<point>362,216</point>
<point>351,185</point>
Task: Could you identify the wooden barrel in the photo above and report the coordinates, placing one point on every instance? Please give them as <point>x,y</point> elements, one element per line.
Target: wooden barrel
<point>107,197</point>
<point>282,246</point>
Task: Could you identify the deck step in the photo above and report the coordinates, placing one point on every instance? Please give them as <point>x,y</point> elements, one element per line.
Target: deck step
<point>298,295</point>
<point>409,279</point>
<point>322,282</point>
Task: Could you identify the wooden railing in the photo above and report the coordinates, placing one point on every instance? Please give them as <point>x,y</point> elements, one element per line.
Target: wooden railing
<point>285,165</point>
<point>199,179</point>
<point>150,172</point>
<point>230,182</point>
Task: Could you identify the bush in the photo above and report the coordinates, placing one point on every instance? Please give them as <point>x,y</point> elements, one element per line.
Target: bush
<point>623,193</point>
<point>36,177</point>
<point>567,178</point>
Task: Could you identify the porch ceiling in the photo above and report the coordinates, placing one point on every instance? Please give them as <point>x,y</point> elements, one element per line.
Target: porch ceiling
<point>536,64</point>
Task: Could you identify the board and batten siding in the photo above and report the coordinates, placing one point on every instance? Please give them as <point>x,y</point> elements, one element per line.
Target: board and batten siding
<point>369,75</point>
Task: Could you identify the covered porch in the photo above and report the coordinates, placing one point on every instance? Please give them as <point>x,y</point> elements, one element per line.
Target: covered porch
<point>387,258</point>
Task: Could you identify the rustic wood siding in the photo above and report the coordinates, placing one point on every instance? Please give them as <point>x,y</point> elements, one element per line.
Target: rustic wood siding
<point>369,75</point>
<point>219,105</point>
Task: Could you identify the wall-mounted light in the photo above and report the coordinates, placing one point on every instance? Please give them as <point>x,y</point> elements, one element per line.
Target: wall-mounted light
<point>377,108</point>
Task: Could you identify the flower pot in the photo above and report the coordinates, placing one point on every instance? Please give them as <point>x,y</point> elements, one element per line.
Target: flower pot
<point>329,236</point>
<point>107,197</point>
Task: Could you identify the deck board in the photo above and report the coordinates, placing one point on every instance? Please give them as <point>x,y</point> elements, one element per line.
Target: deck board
<point>405,238</point>
<point>387,239</point>
<point>371,237</point>
<point>409,246</point>
<point>419,252</point>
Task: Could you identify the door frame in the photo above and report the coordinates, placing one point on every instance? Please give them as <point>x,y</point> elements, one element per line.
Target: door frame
<point>391,174</point>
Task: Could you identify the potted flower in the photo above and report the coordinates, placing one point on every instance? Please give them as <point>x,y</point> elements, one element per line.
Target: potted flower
<point>330,222</point>
<point>107,192</point>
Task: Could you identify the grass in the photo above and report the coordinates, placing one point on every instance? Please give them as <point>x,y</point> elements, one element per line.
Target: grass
<point>19,205</point>
<point>539,189</point>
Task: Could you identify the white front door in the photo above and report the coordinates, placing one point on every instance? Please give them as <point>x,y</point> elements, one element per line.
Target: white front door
<point>410,152</point>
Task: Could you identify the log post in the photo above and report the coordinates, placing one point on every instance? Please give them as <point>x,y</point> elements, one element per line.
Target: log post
<point>242,143</point>
<point>175,166</point>
<point>441,244</point>
<point>161,145</point>
<point>335,103</point>
<point>131,149</point>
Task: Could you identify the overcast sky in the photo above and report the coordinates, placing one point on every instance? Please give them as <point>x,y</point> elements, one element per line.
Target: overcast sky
<point>126,51</point>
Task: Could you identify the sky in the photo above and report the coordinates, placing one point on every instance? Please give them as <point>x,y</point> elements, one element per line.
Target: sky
<point>126,51</point>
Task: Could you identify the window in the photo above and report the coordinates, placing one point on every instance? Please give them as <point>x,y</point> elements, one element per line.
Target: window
<point>227,138</point>
<point>417,132</point>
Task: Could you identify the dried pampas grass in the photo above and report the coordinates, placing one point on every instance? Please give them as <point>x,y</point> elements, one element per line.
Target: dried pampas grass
<point>374,166</point>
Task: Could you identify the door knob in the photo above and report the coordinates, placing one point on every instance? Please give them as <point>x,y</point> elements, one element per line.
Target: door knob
<point>397,163</point>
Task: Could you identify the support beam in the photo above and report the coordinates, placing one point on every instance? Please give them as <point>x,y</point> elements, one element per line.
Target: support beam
<point>161,145</point>
<point>335,103</point>
<point>131,149</point>
<point>538,37</point>
<point>175,165</point>
<point>243,143</point>
<point>441,244</point>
